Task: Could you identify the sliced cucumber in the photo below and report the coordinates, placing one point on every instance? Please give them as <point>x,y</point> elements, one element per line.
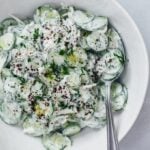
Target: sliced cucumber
<point>95,24</point>
<point>120,101</point>
<point>89,22</point>
<point>3,59</point>
<point>1,29</point>
<point>34,127</point>
<point>81,17</point>
<point>71,129</point>
<point>111,63</point>
<point>10,112</point>
<point>119,95</point>
<point>7,41</point>
<point>115,41</point>
<point>12,85</point>
<point>97,41</point>
<point>116,89</point>
<point>9,22</point>
<point>56,141</point>
<point>46,14</point>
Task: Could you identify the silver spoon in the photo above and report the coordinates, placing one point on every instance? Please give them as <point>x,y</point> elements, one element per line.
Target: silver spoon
<point>112,139</point>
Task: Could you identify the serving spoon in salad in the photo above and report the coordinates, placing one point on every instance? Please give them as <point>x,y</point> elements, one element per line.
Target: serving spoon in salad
<point>109,68</point>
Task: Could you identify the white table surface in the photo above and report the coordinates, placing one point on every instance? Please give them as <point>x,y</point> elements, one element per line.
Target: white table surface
<point>139,136</point>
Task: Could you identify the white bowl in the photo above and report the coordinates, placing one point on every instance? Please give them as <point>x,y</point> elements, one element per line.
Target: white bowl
<point>135,77</point>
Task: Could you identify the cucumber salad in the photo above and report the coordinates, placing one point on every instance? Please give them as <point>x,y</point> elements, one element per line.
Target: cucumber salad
<point>49,67</point>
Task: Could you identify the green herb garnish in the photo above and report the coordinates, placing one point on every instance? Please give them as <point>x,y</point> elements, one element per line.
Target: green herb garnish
<point>65,70</point>
<point>36,34</point>
<point>37,97</point>
<point>62,52</point>
<point>23,81</point>
<point>62,105</point>
<point>29,59</point>
<point>121,59</point>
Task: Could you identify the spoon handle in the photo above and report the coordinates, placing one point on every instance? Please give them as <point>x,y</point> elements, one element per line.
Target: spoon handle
<point>112,139</point>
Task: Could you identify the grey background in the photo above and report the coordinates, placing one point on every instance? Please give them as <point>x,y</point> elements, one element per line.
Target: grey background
<point>139,136</point>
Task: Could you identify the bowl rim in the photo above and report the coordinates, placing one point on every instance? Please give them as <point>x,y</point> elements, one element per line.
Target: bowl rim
<point>147,65</point>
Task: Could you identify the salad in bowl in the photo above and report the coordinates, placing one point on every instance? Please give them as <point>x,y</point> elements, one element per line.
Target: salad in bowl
<point>49,68</point>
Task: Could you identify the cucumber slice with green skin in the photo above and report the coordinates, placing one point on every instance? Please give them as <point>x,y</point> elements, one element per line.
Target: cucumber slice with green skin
<point>116,89</point>
<point>3,59</point>
<point>8,22</point>
<point>7,41</point>
<point>119,95</point>
<point>115,41</point>
<point>120,101</point>
<point>12,85</point>
<point>1,29</point>
<point>34,127</point>
<point>81,17</point>
<point>46,14</point>
<point>95,24</point>
<point>56,141</point>
<point>97,41</point>
<point>10,112</point>
<point>117,58</point>
<point>112,62</point>
<point>71,129</point>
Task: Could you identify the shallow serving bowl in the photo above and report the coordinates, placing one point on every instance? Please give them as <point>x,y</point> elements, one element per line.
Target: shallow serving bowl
<point>135,76</point>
